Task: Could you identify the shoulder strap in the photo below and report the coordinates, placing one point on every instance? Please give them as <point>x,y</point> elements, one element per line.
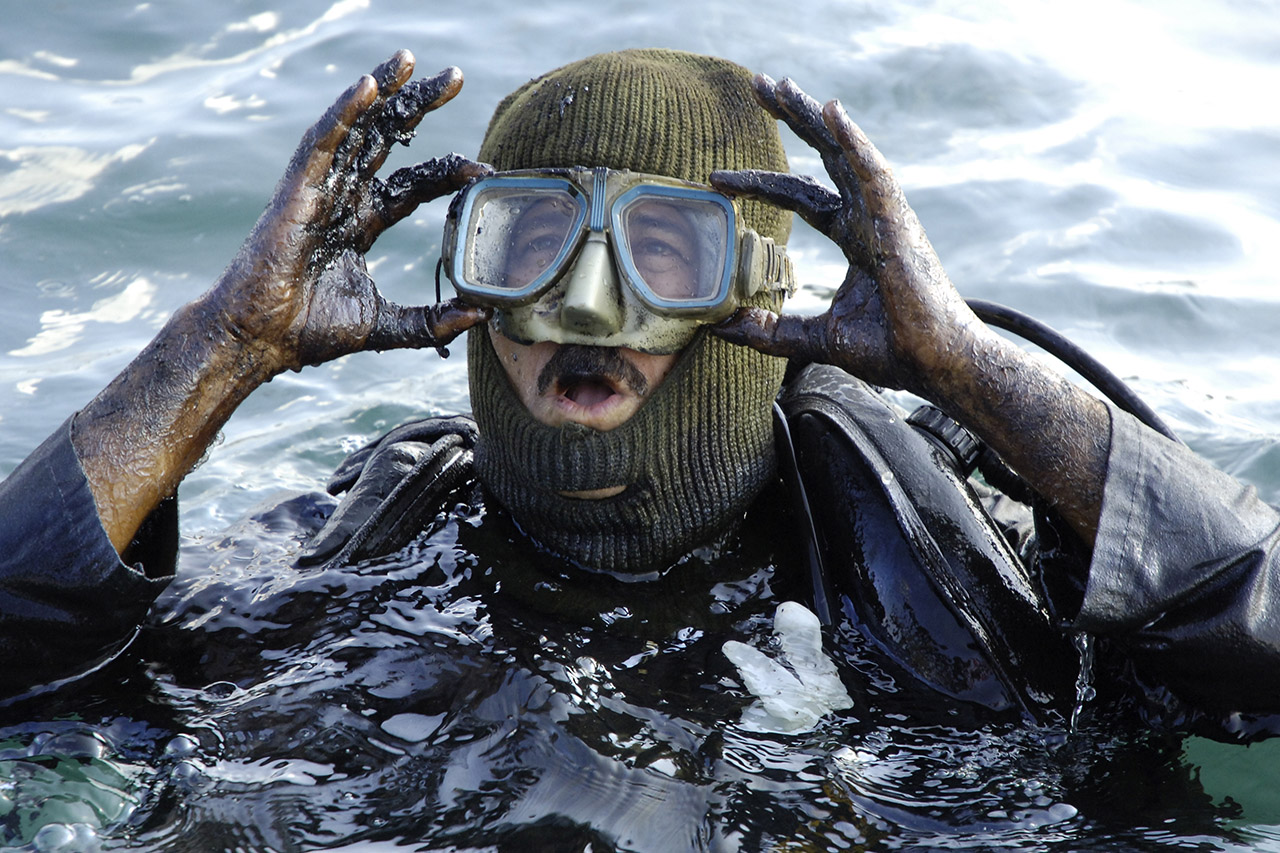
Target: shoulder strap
<point>869,475</point>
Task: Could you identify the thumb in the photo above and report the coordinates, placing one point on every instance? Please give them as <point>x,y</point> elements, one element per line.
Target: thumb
<point>787,336</point>
<point>401,326</point>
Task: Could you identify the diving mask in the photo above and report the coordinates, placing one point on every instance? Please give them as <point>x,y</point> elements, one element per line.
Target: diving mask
<point>605,257</point>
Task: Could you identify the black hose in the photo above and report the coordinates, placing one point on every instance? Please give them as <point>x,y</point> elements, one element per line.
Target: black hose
<point>1057,345</point>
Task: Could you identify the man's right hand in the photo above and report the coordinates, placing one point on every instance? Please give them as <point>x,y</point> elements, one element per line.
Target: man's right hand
<point>299,287</point>
<point>297,293</point>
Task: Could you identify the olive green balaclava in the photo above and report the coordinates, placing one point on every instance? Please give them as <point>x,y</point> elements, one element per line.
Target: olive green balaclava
<point>701,447</point>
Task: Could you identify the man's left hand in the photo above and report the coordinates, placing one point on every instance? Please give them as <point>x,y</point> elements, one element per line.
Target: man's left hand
<point>896,317</point>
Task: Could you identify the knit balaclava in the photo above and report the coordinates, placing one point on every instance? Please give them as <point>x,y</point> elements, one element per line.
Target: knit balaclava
<point>701,447</point>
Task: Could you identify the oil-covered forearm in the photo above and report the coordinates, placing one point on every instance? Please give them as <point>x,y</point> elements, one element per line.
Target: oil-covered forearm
<point>150,426</point>
<point>1055,435</point>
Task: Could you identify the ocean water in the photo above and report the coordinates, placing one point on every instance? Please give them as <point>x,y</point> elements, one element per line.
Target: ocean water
<point>1112,168</point>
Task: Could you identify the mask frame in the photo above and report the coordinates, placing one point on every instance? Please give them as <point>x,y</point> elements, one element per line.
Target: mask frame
<point>592,290</point>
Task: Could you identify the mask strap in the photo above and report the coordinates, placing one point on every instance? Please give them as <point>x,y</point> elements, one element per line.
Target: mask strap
<point>599,184</point>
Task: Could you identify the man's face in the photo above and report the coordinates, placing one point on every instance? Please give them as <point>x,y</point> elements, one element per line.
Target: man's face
<point>598,387</point>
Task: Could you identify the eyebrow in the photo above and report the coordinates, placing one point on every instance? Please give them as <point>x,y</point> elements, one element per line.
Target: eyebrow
<point>543,219</point>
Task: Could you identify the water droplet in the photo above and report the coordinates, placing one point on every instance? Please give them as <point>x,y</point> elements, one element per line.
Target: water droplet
<point>182,746</point>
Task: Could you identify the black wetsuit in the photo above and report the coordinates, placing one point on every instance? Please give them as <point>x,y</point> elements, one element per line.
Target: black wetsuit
<point>1180,582</point>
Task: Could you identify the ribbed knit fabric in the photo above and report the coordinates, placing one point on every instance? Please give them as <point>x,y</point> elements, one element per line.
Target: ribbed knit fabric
<point>662,112</point>
<point>694,456</point>
<point>701,447</point>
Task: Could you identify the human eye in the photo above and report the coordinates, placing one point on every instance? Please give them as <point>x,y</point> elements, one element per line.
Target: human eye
<point>539,235</point>
<point>538,249</point>
<point>542,243</point>
<point>657,253</point>
<point>531,251</point>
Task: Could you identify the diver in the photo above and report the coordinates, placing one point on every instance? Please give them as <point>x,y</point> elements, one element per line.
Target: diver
<point>619,258</point>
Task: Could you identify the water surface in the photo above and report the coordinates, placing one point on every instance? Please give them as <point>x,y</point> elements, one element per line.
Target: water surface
<point>1110,167</point>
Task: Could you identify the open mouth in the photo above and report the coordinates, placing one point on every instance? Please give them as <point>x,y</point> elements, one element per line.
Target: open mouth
<point>588,376</point>
<point>586,390</point>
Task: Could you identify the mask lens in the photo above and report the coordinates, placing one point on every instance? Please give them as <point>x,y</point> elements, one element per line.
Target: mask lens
<point>518,236</point>
<point>676,248</point>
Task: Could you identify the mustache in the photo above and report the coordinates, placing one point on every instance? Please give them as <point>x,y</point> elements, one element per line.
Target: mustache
<point>575,362</point>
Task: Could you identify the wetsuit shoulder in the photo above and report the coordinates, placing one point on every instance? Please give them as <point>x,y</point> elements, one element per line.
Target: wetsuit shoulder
<point>912,556</point>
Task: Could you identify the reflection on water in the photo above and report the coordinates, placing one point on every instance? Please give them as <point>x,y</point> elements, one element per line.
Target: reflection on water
<point>60,330</point>
<point>52,175</point>
<point>1109,167</point>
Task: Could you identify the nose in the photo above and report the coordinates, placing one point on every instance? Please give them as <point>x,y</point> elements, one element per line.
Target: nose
<point>592,300</point>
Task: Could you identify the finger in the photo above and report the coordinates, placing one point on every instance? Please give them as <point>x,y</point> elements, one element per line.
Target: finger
<point>400,116</point>
<point>787,336</point>
<point>804,195</point>
<point>803,115</point>
<point>452,317</point>
<point>392,200</point>
<point>394,73</point>
<point>302,189</point>
<point>389,77</point>
<point>764,86</point>
<point>404,111</point>
<point>863,157</point>
<point>409,187</point>
<point>400,326</point>
<point>315,153</point>
<point>440,89</point>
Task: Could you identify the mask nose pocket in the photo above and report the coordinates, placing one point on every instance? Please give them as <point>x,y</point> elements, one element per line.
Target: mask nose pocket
<point>592,300</point>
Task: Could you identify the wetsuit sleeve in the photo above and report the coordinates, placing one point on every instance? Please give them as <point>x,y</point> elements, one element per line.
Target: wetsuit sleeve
<point>1186,575</point>
<point>67,601</point>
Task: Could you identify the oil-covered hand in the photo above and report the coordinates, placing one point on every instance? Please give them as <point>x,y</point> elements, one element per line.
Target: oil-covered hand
<point>299,286</point>
<point>297,293</point>
<point>896,316</point>
<point>897,321</point>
